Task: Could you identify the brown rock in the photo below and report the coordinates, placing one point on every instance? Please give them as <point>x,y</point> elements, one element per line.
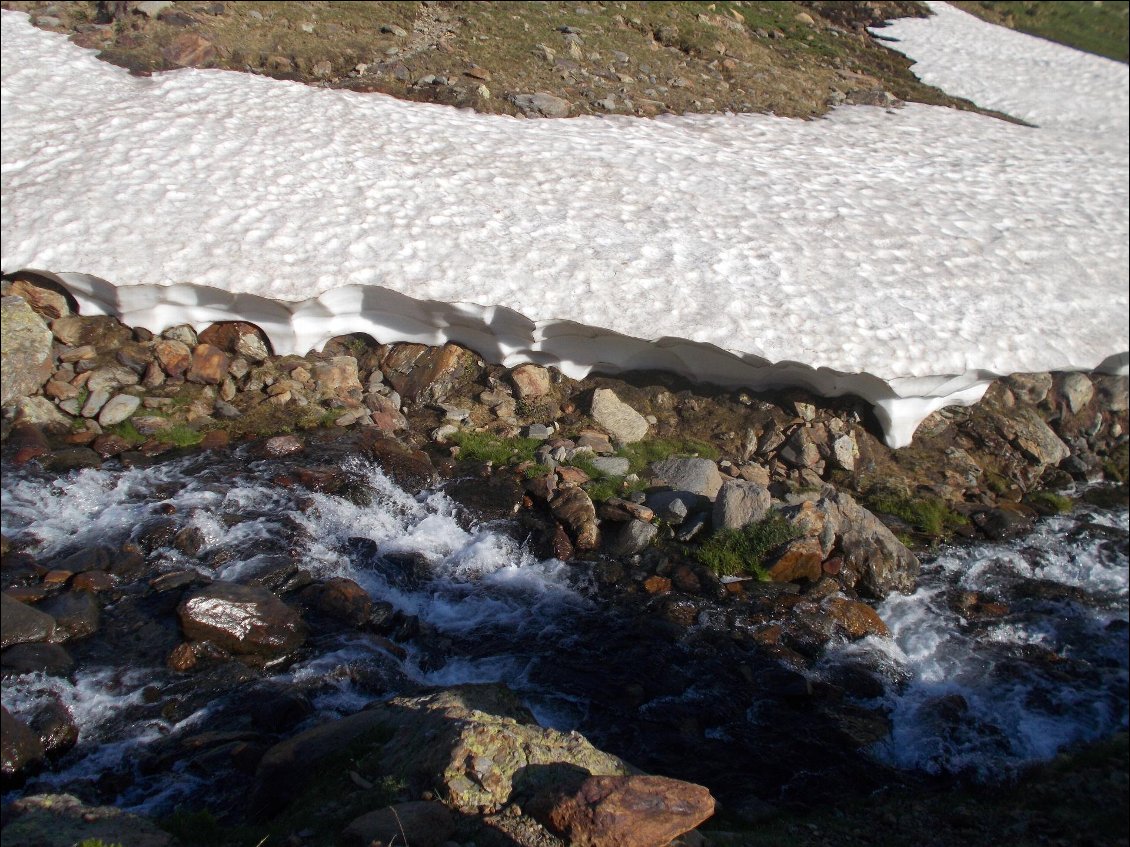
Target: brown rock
<point>855,618</point>
<point>21,751</point>
<point>626,811</point>
<point>209,365</point>
<point>46,303</point>
<point>531,381</point>
<point>562,545</point>
<point>110,445</point>
<point>237,338</point>
<point>800,560</point>
<point>571,476</point>
<point>657,585</point>
<point>282,445</point>
<point>242,619</point>
<point>57,390</point>
<point>343,599</point>
<point>182,658</point>
<point>173,356</point>
<point>427,374</point>
<point>215,440</point>
<point>574,508</point>
<point>337,378</point>
<point>190,50</point>
<point>95,581</point>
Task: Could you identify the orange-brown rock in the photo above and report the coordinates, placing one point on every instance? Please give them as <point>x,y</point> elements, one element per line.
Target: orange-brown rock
<point>626,811</point>
<point>657,585</point>
<point>855,618</point>
<point>209,365</point>
<point>800,560</point>
<point>173,356</point>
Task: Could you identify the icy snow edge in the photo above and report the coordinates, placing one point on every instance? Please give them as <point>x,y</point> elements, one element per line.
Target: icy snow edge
<point>902,257</point>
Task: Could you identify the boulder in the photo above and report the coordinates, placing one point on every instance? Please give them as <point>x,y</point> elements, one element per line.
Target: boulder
<point>238,338</point>
<point>110,378</point>
<point>21,752</point>
<point>573,507</point>
<point>46,303</point>
<point>49,659</point>
<point>209,365</point>
<point>76,614</point>
<point>118,409</point>
<point>173,356</point>
<point>343,599</point>
<point>740,503</point>
<point>25,350</point>
<point>612,465</point>
<point>1077,391</point>
<point>1034,438</point>
<point>855,618</point>
<point>800,560</point>
<point>632,538</point>
<point>621,421</point>
<point>428,374</point>
<point>419,823</point>
<point>1031,389</point>
<point>20,623</point>
<point>242,619</point>
<point>531,381</point>
<point>626,811</point>
<point>337,378</point>
<point>541,105</point>
<point>60,820</point>
<point>698,476</point>
<point>41,412</point>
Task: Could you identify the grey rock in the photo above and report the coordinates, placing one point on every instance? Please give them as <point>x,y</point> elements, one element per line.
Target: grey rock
<point>740,503</point>
<point>541,105</point>
<point>1115,392</point>
<point>623,422</point>
<point>42,413</point>
<point>692,527</point>
<point>49,659</point>
<point>95,401</point>
<point>111,377</point>
<point>539,432</point>
<point>612,465</point>
<point>845,451</point>
<point>118,409</point>
<point>633,538</point>
<point>183,333</point>
<point>25,350</point>
<point>799,450</point>
<point>393,29</point>
<point>1036,439</point>
<point>1077,391</point>
<point>699,476</point>
<point>152,8</point>
<point>76,614</point>
<point>1030,388</point>
<point>675,506</point>
<point>21,624</point>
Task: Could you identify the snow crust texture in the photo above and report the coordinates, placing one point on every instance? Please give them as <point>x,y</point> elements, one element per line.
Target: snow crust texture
<point>906,256</point>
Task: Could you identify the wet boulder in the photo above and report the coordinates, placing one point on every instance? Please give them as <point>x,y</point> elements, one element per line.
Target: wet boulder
<point>244,620</point>
<point>76,613</point>
<point>626,811</point>
<point>20,623</point>
<point>342,599</point>
<point>21,751</point>
<point>49,659</point>
<point>573,508</point>
<point>55,727</point>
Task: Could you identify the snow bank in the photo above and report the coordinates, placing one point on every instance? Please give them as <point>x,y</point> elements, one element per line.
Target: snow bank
<point>905,256</point>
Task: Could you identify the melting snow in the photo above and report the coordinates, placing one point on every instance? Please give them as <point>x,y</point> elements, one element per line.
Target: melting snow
<point>907,256</point>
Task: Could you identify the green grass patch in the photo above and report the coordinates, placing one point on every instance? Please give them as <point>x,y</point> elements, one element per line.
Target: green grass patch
<point>126,430</point>
<point>1116,467</point>
<point>643,453</point>
<point>729,552</point>
<point>1099,28</point>
<point>181,435</point>
<point>484,447</point>
<point>1049,503</point>
<point>928,515</point>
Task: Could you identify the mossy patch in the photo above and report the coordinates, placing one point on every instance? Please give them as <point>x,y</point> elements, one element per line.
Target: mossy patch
<point>729,552</point>
<point>930,516</point>
<point>1049,503</point>
<point>643,453</point>
<point>499,451</point>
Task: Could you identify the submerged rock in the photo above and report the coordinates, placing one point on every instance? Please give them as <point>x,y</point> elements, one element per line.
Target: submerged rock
<point>20,623</point>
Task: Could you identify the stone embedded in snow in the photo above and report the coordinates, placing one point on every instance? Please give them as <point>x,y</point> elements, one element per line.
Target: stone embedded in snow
<point>25,342</point>
<point>940,285</point>
<point>623,422</point>
<point>1077,391</point>
<point>531,381</point>
<point>1031,389</point>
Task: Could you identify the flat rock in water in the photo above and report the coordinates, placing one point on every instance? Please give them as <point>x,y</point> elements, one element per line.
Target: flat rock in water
<point>242,619</point>
<point>49,659</point>
<point>20,623</point>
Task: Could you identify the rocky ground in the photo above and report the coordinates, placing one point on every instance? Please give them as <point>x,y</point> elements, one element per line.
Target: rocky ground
<point>528,59</point>
<point>667,491</point>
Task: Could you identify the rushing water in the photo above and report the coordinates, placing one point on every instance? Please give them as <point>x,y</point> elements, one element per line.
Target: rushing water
<point>1003,655</point>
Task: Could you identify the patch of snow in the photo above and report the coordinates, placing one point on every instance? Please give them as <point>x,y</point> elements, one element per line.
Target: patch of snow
<point>906,256</point>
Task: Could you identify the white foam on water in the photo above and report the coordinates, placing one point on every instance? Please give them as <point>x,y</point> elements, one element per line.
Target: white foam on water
<point>975,699</point>
<point>902,256</point>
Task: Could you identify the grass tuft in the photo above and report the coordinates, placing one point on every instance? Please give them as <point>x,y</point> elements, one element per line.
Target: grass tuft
<point>729,552</point>
<point>928,515</point>
<point>484,447</point>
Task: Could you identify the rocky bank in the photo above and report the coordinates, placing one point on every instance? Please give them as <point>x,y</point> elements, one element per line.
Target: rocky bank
<point>783,511</point>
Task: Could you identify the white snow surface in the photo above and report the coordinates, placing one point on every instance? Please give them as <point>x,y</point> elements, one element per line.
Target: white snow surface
<point>907,256</point>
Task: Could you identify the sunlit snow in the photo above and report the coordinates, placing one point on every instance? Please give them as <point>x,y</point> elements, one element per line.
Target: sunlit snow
<point>906,256</point>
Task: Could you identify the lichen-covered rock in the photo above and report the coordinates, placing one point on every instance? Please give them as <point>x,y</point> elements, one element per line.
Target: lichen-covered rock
<point>60,820</point>
<point>428,374</point>
<point>25,350</point>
